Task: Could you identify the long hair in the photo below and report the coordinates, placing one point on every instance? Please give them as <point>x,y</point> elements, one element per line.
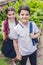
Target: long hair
<point>16,21</point>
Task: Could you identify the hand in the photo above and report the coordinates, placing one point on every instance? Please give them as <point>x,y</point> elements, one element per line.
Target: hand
<point>32,35</point>
<point>19,57</point>
<point>5,37</point>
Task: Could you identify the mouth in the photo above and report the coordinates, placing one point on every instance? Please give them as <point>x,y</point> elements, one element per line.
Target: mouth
<point>24,18</point>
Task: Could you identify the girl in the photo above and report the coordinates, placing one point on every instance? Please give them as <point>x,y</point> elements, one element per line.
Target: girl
<point>23,38</point>
<point>7,32</point>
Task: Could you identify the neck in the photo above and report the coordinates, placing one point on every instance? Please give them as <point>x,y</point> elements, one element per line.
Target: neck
<point>25,23</point>
<point>11,20</point>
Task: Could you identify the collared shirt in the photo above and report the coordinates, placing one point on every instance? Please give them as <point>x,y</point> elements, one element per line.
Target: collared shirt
<point>21,33</point>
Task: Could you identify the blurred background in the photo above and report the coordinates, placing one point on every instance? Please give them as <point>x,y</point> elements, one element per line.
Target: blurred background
<point>36,15</point>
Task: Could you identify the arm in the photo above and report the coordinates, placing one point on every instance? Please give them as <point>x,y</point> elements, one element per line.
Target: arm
<point>16,46</point>
<point>36,32</point>
<point>32,35</point>
<point>18,55</point>
<point>3,30</point>
<point>37,35</point>
<point>4,36</point>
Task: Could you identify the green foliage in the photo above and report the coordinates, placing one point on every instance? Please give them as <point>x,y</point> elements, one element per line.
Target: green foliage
<point>0,38</point>
<point>36,8</point>
<point>3,62</point>
<point>18,4</point>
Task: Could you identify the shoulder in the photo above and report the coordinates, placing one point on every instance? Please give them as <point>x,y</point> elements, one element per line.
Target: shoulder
<point>33,23</point>
<point>4,22</point>
<point>17,27</point>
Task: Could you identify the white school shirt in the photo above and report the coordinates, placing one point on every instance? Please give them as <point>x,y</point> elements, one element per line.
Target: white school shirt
<point>25,45</point>
<point>11,27</point>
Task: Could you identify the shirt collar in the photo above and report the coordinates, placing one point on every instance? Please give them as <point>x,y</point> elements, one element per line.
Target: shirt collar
<point>22,25</point>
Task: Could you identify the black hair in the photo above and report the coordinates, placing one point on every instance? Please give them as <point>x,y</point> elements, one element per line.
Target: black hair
<point>7,26</point>
<point>23,8</point>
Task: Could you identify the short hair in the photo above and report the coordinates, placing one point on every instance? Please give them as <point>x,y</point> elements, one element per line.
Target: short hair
<point>23,8</point>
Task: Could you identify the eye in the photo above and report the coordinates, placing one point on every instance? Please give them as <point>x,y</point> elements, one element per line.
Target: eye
<point>9,14</point>
<point>13,14</point>
<point>27,14</point>
<point>22,14</point>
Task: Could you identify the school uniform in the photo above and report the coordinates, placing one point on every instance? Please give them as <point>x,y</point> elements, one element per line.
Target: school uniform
<point>7,47</point>
<point>25,45</point>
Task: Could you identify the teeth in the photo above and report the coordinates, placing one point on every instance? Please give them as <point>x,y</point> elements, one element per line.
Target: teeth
<point>24,19</point>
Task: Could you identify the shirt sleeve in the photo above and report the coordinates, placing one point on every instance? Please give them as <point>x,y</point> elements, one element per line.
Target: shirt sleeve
<point>15,35</point>
<point>2,25</point>
<point>35,28</point>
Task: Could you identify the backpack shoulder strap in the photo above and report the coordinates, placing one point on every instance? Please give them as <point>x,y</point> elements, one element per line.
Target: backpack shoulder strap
<point>4,23</point>
<point>31,27</point>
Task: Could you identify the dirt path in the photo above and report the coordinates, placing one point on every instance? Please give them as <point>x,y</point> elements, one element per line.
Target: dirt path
<point>40,58</point>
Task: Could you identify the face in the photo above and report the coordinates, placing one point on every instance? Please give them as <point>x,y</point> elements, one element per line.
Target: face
<point>24,16</point>
<point>11,15</point>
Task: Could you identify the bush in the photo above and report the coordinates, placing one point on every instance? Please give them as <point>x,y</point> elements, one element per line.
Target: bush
<point>36,8</point>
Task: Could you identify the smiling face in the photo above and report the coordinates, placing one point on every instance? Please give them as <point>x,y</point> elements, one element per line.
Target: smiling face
<point>11,15</point>
<point>24,16</point>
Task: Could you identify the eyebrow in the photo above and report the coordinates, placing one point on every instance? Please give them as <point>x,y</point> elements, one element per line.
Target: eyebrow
<point>23,14</point>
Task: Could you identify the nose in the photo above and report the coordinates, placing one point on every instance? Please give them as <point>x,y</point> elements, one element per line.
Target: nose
<point>24,16</point>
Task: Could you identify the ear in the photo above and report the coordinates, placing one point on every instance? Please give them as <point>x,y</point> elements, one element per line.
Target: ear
<point>18,16</point>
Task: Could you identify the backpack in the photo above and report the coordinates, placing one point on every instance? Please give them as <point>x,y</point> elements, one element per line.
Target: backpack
<point>35,41</point>
<point>31,29</point>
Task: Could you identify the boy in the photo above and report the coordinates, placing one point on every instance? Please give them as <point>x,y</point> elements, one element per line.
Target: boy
<point>23,39</point>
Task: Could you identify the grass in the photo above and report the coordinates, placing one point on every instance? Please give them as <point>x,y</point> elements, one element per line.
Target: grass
<point>0,47</point>
<point>3,62</point>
